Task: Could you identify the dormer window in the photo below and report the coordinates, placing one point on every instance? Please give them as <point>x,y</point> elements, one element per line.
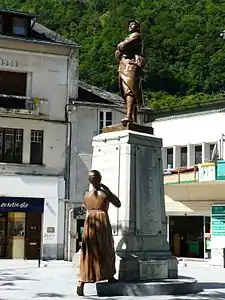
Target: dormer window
<point>20,26</point>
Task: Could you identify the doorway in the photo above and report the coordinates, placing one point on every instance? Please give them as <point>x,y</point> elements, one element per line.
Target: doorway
<point>187,236</point>
<point>33,235</point>
<point>80,227</point>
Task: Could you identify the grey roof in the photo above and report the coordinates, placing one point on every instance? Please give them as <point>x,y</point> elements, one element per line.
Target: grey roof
<point>17,12</point>
<point>39,33</point>
<point>50,35</point>
<point>102,96</point>
<point>189,109</point>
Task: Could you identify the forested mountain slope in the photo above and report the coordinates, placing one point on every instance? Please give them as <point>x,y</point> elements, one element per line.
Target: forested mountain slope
<point>184,50</point>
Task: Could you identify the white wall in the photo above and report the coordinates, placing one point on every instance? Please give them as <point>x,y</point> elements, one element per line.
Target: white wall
<point>52,78</point>
<point>48,77</point>
<point>54,141</point>
<point>84,128</point>
<point>192,129</point>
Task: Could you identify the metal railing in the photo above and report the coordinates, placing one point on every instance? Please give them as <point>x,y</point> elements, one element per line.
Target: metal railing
<point>19,102</point>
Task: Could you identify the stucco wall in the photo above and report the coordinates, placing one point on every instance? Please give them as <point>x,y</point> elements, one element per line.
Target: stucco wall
<point>84,128</point>
<point>47,77</point>
<point>192,129</point>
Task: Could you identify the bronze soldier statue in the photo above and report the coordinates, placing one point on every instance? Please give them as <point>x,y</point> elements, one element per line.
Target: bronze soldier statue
<point>131,62</point>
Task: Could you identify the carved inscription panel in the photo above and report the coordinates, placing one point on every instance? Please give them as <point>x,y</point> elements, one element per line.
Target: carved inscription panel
<point>149,191</point>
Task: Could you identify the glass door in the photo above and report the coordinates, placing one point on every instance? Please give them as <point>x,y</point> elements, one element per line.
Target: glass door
<point>3,227</point>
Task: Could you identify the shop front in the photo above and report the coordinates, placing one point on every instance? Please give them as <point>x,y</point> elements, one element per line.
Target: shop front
<point>188,209</point>
<point>190,236</point>
<point>20,227</point>
<point>31,217</point>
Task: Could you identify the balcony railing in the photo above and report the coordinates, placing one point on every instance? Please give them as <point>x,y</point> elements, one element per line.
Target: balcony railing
<point>21,104</point>
<point>198,173</point>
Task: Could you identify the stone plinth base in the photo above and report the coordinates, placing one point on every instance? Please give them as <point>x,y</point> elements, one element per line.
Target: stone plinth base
<point>180,286</point>
<point>130,126</point>
<point>152,268</point>
<point>131,166</point>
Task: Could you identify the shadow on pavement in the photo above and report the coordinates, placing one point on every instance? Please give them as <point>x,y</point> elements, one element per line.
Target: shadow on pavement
<point>204,296</point>
<point>9,276</point>
<point>7,284</point>
<point>48,295</point>
<point>211,285</point>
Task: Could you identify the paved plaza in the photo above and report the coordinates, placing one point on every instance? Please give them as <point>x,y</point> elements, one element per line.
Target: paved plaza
<point>23,280</point>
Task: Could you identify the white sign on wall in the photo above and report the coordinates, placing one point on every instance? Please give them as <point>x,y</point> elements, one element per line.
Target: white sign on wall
<point>207,172</point>
<point>218,234</point>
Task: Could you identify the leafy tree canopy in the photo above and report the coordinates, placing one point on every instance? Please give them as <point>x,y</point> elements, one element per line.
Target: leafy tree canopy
<point>184,50</point>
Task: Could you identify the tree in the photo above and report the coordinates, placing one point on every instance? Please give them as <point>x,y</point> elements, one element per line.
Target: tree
<point>185,54</point>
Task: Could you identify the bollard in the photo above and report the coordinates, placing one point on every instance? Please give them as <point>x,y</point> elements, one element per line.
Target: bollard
<point>39,258</point>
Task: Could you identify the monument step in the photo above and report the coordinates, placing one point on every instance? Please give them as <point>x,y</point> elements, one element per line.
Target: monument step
<point>179,286</point>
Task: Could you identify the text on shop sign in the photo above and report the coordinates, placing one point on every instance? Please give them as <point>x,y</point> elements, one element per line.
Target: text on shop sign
<point>14,205</point>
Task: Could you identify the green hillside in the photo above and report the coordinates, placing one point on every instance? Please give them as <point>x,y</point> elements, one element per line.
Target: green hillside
<point>184,50</point>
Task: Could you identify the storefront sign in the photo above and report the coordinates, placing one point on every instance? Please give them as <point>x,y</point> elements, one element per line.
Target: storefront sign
<point>8,63</point>
<point>218,234</point>
<point>218,220</point>
<point>207,172</point>
<point>14,204</point>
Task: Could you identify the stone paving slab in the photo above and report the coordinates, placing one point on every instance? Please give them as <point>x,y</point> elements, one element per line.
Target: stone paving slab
<point>23,280</point>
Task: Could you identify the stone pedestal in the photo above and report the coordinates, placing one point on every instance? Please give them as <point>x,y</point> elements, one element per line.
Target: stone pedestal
<point>131,166</point>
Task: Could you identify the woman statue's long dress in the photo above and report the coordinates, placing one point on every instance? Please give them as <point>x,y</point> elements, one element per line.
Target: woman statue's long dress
<point>131,63</point>
<point>97,260</point>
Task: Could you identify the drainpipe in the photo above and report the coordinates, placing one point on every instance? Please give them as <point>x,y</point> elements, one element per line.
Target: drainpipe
<point>68,110</point>
<point>72,93</point>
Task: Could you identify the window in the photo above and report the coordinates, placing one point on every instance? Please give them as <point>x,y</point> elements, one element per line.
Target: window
<point>183,156</point>
<point>169,158</point>
<point>105,119</point>
<point>11,145</point>
<point>20,26</point>
<point>198,154</point>
<point>7,24</point>
<point>36,147</point>
<point>12,83</point>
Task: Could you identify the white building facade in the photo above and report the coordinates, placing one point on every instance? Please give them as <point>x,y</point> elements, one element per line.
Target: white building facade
<point>193,149</point>
<point>38,74</point>
<point>93,110</point>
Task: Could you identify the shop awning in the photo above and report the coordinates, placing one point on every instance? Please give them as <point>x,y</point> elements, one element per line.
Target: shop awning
<point>193,198</point>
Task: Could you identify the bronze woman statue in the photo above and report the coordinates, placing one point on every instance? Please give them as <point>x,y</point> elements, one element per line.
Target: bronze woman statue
<point>131,63</point>
<point>97,260</point>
